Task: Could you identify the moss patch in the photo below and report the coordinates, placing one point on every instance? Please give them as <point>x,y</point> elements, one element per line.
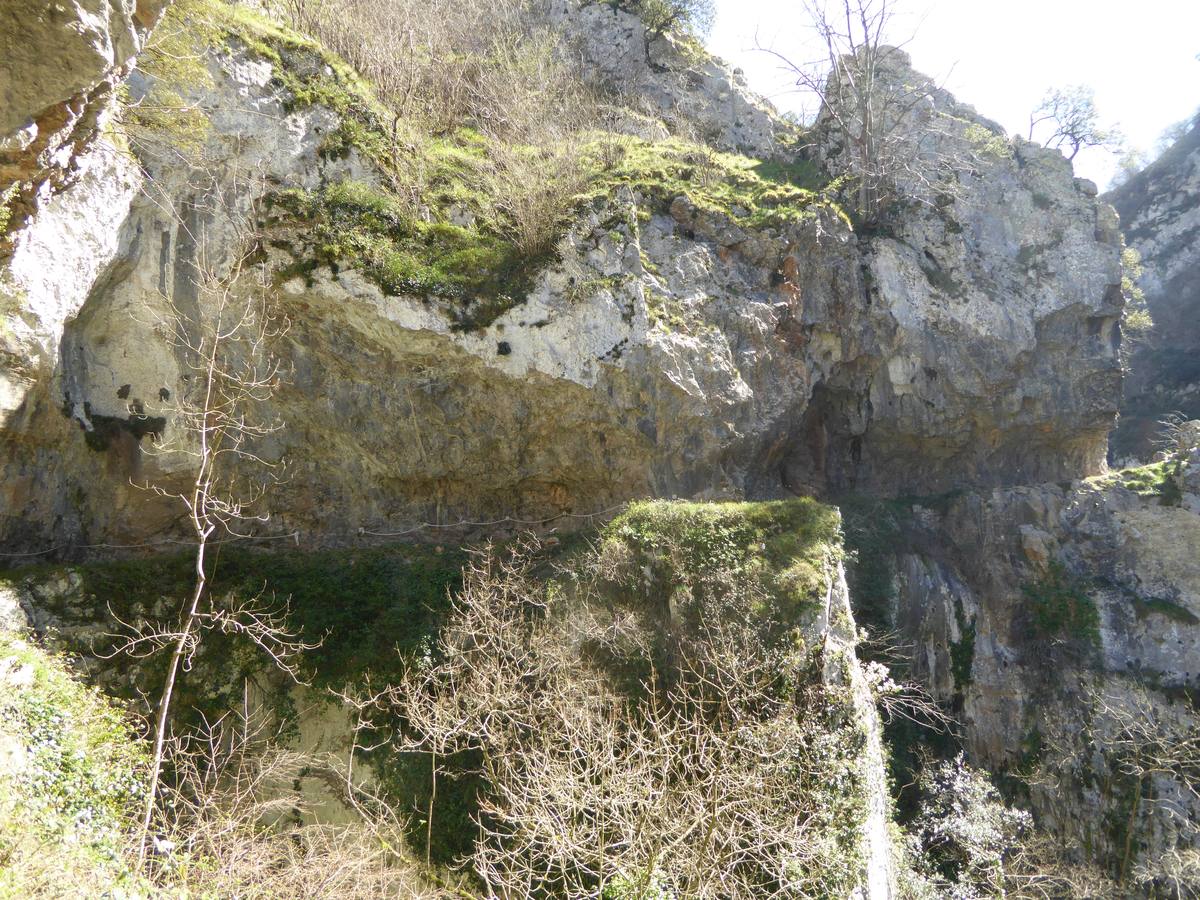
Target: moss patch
<point>473,273</point>
<point>750,193</point>
<point>1060,608</point>
<point>1155,480</point>
<point>1160,606</point>
<point>788,544</point>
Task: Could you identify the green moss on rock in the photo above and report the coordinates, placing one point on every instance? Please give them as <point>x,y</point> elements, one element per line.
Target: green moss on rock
<point>788,544</point>
<point>473,273</point>
<point>1060,608</point>
<point>750,193</point>
<point>1154,480</point>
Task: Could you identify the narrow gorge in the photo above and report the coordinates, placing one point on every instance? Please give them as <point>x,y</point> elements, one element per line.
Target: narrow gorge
<point>536,467</point>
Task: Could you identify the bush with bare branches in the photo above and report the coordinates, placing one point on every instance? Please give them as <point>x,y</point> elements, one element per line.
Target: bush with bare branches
<point>636,744</point>
<point>883,131</point>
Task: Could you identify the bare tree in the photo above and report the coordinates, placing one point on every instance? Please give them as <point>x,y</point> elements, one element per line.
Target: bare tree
<point>1067,120</point>
<point>1152,744</point>
<point>878,121</point>
<point>223,341</point>
<point>235,810</point>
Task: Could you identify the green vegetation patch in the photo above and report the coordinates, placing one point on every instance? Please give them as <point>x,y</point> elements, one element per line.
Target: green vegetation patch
<point>1161,606</point>
<point>962,654</point>
<point>749,192</point>
<point>1060,607</point>
<point>787,544</point>
<point>71,780</point>
<point>475,272</point>
<point>371,609</point>
<point>1155,480</point>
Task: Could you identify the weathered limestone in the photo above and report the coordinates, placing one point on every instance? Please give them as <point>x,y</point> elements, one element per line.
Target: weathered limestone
<point>1160,217</point>
<point>986,351</point>
<point>668,78</point>
<point>969,579</point>
<point>675,354</point>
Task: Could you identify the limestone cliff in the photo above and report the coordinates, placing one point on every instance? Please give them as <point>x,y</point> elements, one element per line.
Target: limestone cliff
<point>673,345</point>
<point>58,64</point>
<point>1160,218</point>
<point>1060,620</point>
<point>705,321</point>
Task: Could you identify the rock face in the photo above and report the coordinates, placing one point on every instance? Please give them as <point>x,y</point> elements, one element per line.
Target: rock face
<point>986,349</point>
<point>669,350</point>
<point>58,65</point>
<point>1060,620</point>
<point>669,78</point>
<point>1160,218</point>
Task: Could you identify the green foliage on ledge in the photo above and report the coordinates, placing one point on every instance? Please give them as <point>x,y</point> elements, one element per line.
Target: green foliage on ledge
<point>1060,607</point>
<point>475,273</point>
<point>749,193</point>
<point>789,545</point>
<point>462,219</point>
<point>1155,480</point>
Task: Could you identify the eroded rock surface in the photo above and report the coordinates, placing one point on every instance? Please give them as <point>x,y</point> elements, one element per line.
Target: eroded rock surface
<point>59,62</point>
<point>668,350</point>
<point>1160,217</point>
<point>669,78</point>
<point>1058,619</point>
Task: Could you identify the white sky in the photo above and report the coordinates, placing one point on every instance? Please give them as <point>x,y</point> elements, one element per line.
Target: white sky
<point>1001,56</point>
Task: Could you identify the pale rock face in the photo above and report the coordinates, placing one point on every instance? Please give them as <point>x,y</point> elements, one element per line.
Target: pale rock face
<point>669,354</point>
<point>59,62</point>
<point>58,258</point>
<point>969,569</point>
<point>51,52</point>
<point>994,304</point>
<point>672,79</point>
<point>1160,217</point>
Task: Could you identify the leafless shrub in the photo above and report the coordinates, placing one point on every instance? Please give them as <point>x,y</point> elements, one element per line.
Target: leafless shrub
<point>1149,757</point>
<point>705,780</point>
<point>1039,868</point>
<point>533,188</point>
<point>234,826</point>
<point>886,134</point>
<point>487,62</point>
<point>223,333</point>
<point>1177,436</point>
<point>1152,744</point>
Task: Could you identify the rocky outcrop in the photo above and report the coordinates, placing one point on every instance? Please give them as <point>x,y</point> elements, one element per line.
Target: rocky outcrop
<point>986,351</point>
<point>1160,218</point>
<point>1062,620</point>
<point>671,348</point>
<point>668,77</point>
<point>59,63</point>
